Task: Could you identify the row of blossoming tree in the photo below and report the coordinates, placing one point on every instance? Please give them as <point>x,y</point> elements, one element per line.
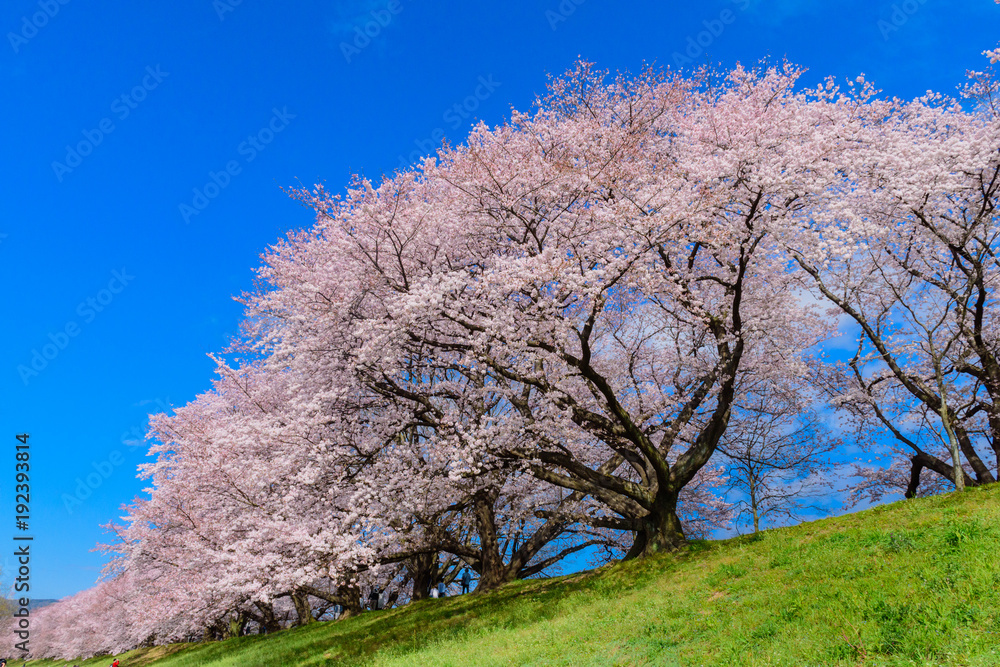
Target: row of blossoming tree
<point>571,335</point>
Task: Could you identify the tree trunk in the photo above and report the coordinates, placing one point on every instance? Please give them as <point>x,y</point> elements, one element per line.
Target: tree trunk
<point>269,622</point>
<point>303,610</point>
<point>237,625</point>
<point>983,474</point>
<point>916,468</point>
<point>352,601</point>
<point>956,458</point>
<point>493,573</point>
<point>994,420</point>
<point>958,472</point>
<point>421,569</point>
<point>991,369</point>
<point>638,545</point>
<point>661,529</point>
<point>214,632</point>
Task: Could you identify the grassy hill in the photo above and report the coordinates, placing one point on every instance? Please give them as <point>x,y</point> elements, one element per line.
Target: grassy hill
<point>911,583</point>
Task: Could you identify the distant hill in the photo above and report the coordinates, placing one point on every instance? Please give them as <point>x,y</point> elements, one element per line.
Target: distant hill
<point>38,604</point>
<point>32,604</point>
<point>912,583</point>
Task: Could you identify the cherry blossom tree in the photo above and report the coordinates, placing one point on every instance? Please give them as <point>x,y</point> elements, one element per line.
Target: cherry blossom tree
<point>594,278</point>
<point>908,253</point>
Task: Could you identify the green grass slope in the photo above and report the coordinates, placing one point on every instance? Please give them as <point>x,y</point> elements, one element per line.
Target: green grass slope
<point>912,583</point>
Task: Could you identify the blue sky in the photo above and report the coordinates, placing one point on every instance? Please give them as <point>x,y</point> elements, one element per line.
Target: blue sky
<point>146,147</point>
